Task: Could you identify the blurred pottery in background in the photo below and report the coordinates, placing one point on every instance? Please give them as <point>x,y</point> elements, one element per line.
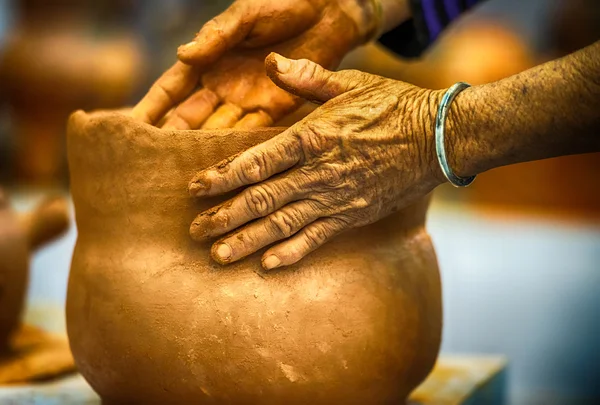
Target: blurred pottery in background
<point>576,24</point>
<point>478,52</point>
<point>58,58</point>
<point>565,187</point>
<point>20,235</point>
<point>152,319</point>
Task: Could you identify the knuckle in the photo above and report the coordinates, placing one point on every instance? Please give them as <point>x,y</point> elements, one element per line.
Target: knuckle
<point>284,224</point>
<point>168,94</point>
<point>332,175</point>
<point>307,70</point>
<point>245,239</point>
<point>259,200</point>
<point>313,143</point>
<point>287,148</point>
<point>208,97</point>
<point>316,235</point>
<point>254,169</point>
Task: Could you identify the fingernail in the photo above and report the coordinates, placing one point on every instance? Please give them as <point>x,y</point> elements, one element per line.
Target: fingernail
<point>197,188</point>
<point>283,64</point>
<point>223,252</point>
<point>271,262</point>
<point>198,231</point>
<point>188,45</point>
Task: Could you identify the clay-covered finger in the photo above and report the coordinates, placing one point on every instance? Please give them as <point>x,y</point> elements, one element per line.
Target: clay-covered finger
<point>226,116</point>
<point>191,113</point>
<point>252,166</point>
<point>305,241</point>
<point>257,119</point>
<point>252,203</point>
<point>168,91</point>
<point>218,35</point>
<point>282,224</point>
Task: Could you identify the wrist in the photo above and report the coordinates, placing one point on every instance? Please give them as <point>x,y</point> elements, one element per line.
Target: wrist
<point>466,152</point>
<point>461,149</point>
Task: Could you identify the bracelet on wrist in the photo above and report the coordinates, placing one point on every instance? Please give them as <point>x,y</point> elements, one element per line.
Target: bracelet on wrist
<point>440,149</point>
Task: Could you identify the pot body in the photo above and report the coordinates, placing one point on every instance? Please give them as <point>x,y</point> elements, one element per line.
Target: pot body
<point>151,319</point>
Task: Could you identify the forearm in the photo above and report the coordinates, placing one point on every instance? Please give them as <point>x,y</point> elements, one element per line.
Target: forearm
<point>548,111</point>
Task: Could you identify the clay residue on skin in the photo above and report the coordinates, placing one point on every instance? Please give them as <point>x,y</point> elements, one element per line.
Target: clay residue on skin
<point>197,185</point>
<point>223,164</point>
<point>203,226</point>
<point>216,257</point>
<point>201,183</point>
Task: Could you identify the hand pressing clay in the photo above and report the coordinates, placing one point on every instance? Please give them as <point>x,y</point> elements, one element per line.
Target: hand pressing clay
<point>151,319</point>
<point>20,235</point>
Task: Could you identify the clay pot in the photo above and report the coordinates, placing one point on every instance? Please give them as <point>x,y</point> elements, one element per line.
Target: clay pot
<point>19,236</point>
<point>151,319</point>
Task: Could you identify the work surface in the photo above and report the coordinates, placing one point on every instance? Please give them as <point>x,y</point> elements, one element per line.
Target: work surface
<point>463,380</point>
<point>526,288</point>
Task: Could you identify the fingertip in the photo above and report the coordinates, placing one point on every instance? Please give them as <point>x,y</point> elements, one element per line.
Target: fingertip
<point>203,50</point>
<point>221,253</point>
<point>270,262</point>
<point>276,63</point>
<point>197,187</point>
<point>139,114</point>
<point>198,232</point>
<point>188,46</point>
<point>270,61</point>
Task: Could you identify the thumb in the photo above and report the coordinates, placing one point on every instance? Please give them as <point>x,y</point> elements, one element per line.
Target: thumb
<point>309,80</point>
<point>217,37</point>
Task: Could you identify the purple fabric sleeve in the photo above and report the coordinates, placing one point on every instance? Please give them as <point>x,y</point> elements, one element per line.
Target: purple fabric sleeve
<point>452,8</point>
<point>437,14</point>
<point>429,19</point>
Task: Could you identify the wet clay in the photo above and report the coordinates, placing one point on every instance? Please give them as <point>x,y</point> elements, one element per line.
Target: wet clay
<point>151,319</point>
<point>20,234</point>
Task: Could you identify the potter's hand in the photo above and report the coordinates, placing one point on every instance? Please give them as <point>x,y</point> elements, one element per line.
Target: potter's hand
<point>367,152</point>
<point>220,80</point>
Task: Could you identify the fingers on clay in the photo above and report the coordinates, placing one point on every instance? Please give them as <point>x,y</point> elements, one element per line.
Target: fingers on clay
<point>259,119</point>
<point>192,113</point>
<point>226,116</point>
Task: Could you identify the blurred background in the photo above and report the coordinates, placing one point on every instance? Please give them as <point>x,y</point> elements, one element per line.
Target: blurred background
<point>519,251</point>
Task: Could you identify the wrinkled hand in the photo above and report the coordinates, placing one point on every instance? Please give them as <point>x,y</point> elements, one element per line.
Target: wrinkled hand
<point>220,80</point>
<point>367,152</point>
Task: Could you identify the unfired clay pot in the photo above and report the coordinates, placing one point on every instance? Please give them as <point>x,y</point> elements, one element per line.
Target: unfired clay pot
<point>151,319</point>
<point>20,234</point>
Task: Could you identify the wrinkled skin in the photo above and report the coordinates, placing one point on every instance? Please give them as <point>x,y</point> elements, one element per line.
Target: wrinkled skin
<point>220,80</point>
<point>343,166</point>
